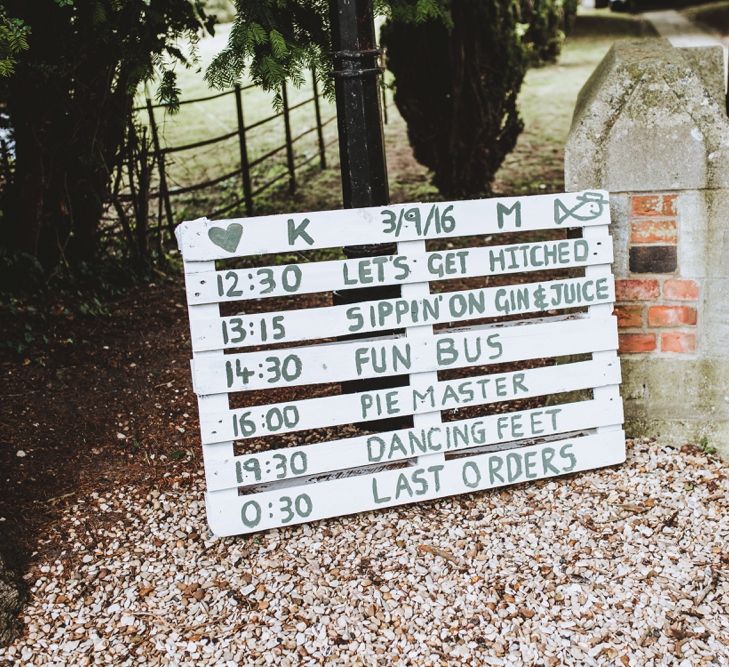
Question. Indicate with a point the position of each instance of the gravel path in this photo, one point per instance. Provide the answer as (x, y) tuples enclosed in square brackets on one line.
[(625, 566)]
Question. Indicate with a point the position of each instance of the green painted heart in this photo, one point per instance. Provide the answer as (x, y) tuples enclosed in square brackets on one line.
[(227, 239)]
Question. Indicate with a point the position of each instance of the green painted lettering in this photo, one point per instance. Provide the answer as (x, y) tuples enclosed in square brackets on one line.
[(345, 276), (603, 289), (401, 263), (547, 456), (354, 315), (435, 471), (299, 231), (582, 250), (470, 474), (565, 453), (493, 341), (445, 351), (495, 464), (427, 398), (419, 482), (513, 466), (502, 211), (375, 448), (376, 497), (365, 273), (402, 486)]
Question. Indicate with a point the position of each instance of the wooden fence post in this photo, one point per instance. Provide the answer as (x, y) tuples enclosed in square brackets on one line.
[(164, 193), (244, 167), (289, 142), (383, 88), (319, 127)]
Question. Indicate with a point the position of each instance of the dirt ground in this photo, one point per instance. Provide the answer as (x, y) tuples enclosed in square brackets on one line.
[(107, 400)]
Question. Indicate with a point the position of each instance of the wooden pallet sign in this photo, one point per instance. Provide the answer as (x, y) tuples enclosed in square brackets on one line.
[(566, 321)]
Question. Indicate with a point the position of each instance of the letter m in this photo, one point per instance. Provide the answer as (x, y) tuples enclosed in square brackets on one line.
[(427, 398), (502, 211)]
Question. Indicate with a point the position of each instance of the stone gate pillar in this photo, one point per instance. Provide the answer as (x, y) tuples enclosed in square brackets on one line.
[(650, 127)]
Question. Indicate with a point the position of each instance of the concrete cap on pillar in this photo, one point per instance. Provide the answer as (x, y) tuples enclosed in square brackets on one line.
[(650, 118)]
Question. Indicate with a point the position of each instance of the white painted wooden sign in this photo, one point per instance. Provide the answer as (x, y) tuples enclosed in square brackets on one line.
[(294, 352)]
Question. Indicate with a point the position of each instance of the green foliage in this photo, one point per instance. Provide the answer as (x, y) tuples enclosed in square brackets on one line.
[(544, 26), (72, 69), (569, 8), (457, 88), (13, 41), (273, 41), (168, 91), (419, 11), (19, 271), (705, 447)]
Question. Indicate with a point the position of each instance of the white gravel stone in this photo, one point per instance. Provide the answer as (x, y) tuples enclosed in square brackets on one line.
[(623, 566)]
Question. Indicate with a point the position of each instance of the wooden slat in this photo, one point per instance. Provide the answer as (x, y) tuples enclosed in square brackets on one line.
[(338, 362), (204, 240), (289, 326), (275, 281), (433, 396), (597, 311), (321, 479), (215, 402), (351, 494), (420, 381), (423, 440)]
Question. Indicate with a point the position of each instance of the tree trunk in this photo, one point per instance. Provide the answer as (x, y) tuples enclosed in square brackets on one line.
[(67, 141), (33, 229)]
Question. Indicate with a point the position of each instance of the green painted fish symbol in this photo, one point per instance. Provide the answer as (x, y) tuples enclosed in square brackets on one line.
[(589, 206)]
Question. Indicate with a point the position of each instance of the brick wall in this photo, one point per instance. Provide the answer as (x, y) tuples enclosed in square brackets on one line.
[(657, 310)]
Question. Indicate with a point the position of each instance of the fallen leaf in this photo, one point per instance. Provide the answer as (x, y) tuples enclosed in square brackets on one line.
[(437, 551)]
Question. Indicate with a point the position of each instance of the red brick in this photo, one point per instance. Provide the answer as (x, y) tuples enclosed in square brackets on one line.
[(671, 316), (654, 231), (636, 290), (669, 205), (678, 341), (642, 205), (629, 316), (637, 342), (681, 290)]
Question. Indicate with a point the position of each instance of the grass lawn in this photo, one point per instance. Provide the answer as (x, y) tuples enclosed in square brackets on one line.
[(546, 102), (204, 120), (548, 98)]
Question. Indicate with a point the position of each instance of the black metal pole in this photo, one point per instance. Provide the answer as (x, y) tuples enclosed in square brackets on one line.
[(356, 80), (361, 147)]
